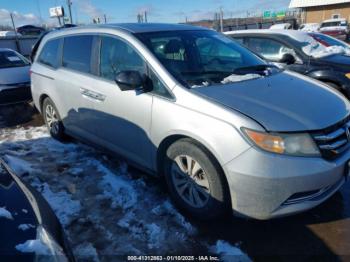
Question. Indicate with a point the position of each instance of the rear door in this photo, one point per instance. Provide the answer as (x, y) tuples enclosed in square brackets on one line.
[(72, 81)]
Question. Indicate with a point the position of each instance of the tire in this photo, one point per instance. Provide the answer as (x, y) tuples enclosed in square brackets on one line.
[(53, 123), (209, 183)]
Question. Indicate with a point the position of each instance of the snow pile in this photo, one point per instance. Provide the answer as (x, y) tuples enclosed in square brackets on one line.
[(33, 246), (116, 188), (205, 83), (86, 252), (25, 227), (316, 50), (18, 166), (238, 78), (5, 213), (61, 202), (227, 252)]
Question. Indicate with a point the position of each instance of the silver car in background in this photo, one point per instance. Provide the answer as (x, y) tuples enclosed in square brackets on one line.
[(226, 130), (14, 77)]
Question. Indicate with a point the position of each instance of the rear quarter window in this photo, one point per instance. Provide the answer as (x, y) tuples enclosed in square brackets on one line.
[(49, 53), (77, 53)]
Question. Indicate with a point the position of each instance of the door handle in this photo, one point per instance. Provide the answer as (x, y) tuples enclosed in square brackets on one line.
[(92, 94)]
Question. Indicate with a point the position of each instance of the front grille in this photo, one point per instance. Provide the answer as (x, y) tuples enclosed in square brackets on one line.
[(333, 141)]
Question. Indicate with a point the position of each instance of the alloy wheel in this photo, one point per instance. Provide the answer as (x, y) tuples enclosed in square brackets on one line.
[(190, 181)]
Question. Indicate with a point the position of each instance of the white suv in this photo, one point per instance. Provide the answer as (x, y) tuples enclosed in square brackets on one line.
[(335, 27)]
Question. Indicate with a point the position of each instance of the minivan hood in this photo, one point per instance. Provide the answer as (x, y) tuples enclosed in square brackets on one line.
[(283, 102)]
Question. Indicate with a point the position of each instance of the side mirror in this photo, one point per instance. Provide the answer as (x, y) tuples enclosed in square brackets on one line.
[(287, 59), (129, 80)]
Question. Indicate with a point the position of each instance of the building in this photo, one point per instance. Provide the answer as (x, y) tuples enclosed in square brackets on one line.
[(316, 11)]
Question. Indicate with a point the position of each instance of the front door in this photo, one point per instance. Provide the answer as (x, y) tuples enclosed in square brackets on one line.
[(122, 118)]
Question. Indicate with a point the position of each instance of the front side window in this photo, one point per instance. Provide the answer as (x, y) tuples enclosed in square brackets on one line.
[(49, 53), (269, 48), (199, 57), (117, 56), (77, 53)]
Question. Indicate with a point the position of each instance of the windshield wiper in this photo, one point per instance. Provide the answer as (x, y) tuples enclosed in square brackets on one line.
[(254, 69), (205, 72)]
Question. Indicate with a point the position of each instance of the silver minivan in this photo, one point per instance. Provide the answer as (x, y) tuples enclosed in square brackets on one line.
[(225, 129)]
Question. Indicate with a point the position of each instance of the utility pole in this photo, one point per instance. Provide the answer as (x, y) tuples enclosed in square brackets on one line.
[(221, 20), (69, 3), (16, 36), (105, 17), (145, 16)]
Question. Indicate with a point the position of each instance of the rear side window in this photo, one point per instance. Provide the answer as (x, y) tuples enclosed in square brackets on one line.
[(77, 53), (49, 54)]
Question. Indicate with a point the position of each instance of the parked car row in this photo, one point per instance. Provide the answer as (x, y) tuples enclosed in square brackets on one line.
[(337, 28)]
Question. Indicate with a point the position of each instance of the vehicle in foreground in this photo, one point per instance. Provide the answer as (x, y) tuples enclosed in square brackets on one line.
[(30, 30), (14, 77), (30, 231), (227, 130), (327, 41), (309, 27), (298, 51), (338, 28)]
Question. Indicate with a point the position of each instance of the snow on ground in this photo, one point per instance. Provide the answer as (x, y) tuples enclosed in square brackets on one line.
[(105, 207), (227, 252)]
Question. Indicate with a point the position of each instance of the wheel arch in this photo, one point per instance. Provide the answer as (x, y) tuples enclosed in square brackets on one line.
[(171, 139)]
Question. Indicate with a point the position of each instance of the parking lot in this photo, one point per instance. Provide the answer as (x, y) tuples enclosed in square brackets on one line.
[(108, 208)]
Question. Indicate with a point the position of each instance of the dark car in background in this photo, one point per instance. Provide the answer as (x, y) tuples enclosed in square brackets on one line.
[(30, 30), (14, 77), (30, 231), (298, 51)]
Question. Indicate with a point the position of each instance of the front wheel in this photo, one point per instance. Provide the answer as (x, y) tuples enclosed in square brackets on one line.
[(53, 120), (195, 180)]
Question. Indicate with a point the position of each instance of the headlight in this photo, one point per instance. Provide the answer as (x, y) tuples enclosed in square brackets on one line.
[(279, 143), (347, 75), (55, 252)]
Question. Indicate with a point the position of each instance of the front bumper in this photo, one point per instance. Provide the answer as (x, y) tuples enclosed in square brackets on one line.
[(265, 185), (15, 95)]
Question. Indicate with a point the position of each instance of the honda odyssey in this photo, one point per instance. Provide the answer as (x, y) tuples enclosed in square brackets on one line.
[(225, 129)]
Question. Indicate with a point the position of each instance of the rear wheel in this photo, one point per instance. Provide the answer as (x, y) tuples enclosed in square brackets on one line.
[(195, 180), (53, 120)]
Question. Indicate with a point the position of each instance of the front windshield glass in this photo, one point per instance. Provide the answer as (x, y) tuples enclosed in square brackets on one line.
[(203, 57), (11, 59)]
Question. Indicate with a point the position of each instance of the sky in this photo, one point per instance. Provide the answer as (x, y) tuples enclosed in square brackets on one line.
[(118, 11)]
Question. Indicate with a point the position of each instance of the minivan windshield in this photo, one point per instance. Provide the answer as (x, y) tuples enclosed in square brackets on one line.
[(203, 57)]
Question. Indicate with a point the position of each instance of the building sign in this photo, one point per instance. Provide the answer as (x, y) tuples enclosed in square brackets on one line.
[(57, 11)]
